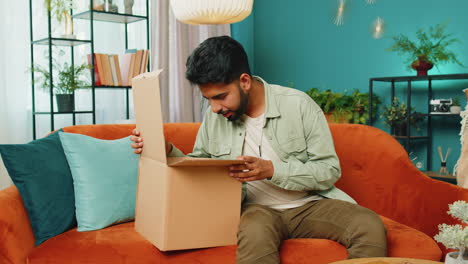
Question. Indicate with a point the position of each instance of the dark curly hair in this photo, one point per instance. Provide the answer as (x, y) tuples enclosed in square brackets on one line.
[(217, 60)]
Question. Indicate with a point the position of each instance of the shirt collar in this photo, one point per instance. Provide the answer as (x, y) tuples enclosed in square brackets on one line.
[(271, 105)]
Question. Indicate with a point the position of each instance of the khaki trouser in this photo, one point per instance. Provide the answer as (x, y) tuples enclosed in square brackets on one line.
[(262, 229)]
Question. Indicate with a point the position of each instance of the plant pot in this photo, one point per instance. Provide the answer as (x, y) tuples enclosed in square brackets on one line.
[(422, 65), (400, 129), (65, 102), (455, 109), (452, 258), (339, 120)]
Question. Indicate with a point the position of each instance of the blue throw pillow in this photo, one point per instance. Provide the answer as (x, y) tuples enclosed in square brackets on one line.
[(105, 176), (40, 171)]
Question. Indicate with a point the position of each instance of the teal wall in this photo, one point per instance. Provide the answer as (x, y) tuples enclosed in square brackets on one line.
[(296, 41)]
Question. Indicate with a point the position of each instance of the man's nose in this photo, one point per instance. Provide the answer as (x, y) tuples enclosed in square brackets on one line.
[(215, 107)]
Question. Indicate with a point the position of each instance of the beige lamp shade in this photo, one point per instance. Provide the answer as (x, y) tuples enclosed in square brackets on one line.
[(211, 11)]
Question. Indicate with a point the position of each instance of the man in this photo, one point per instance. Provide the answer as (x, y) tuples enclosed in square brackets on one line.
[(290, 161)]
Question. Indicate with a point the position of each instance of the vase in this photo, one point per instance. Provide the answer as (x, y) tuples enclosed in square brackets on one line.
[(422, 65), (455, 109), (453, 258), (65, 102), (128, 6)]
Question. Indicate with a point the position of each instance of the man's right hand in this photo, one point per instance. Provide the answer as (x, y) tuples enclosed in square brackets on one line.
[(138, 142)]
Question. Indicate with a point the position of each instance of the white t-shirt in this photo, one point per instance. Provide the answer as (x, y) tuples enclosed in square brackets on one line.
[(264, 192)]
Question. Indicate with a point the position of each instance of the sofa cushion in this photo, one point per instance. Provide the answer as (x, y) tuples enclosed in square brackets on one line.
[(105, 176), (121, 244), (40, 171)]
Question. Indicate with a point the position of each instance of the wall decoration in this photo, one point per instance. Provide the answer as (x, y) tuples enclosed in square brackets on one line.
[(339, 19), (378, 28)]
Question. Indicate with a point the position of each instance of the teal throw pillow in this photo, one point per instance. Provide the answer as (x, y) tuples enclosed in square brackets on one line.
[(105, 176), (40, 171)]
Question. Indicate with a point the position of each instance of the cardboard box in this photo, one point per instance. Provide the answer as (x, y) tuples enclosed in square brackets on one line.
[(182, 203)]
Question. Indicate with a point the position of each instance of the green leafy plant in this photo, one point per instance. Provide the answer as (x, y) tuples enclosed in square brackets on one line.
[(431, 44), (396, 114), (456, 102), (353, 108), (68, 79), (59, 8)]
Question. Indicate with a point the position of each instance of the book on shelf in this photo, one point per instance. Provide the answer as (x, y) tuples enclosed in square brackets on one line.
[(97, 80), (118, 70), (115, 81), (125, 66)]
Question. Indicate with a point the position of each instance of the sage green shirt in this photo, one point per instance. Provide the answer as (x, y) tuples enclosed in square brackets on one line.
[(298, 132)]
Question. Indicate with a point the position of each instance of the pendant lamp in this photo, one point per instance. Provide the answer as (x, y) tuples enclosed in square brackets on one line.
[(211, 11)]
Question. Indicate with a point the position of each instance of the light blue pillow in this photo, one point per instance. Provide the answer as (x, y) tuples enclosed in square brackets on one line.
[(104, 176)]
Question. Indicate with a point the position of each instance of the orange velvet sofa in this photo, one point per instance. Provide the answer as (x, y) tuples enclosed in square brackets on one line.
[(376, 172)]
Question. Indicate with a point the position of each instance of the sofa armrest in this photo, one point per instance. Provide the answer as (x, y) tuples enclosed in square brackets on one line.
[(16, 236), (378, 174)]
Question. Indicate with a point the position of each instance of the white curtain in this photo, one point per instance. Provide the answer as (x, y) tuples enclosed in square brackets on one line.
[(172, 42), (15, 94)]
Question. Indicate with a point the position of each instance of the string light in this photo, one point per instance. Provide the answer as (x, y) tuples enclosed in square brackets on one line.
[(378, 28), (339, 19)]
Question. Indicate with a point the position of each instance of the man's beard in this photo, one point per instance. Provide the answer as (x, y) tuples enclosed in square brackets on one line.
[(244, 102)]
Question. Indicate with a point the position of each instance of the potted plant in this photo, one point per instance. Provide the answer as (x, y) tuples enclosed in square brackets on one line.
[(342, 108), (455, 108), (70, 78), (396, 115), (60, 9), (430, 48), (455, 236)]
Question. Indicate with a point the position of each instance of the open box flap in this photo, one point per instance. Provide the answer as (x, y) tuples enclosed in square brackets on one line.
[(200, 162), (148, 116)]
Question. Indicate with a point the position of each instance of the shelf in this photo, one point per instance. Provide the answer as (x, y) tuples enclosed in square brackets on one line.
[(60, 113), (411, 137), (461, 76), (443, 114), (109, 17), (446, 178), (112, 87), (61, 42)]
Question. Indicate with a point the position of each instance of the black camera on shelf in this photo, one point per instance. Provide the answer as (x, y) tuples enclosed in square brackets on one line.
[(440, 105)]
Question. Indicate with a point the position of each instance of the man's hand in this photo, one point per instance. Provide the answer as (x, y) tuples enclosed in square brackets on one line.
[(138, 142), (254, 169)]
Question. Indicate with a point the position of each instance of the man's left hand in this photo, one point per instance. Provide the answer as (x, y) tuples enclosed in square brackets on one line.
[(254, 169)]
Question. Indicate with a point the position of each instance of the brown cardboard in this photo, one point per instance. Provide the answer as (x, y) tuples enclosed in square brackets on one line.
[(182, 203)]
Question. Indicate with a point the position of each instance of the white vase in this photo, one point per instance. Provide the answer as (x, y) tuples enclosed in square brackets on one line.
[(452, 258), (128, 6), (455, 109)]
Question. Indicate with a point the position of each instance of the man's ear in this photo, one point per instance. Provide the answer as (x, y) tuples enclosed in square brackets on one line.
[(245, 82)]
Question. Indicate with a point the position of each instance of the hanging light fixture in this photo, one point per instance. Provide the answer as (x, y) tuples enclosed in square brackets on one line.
[(211, 11)]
